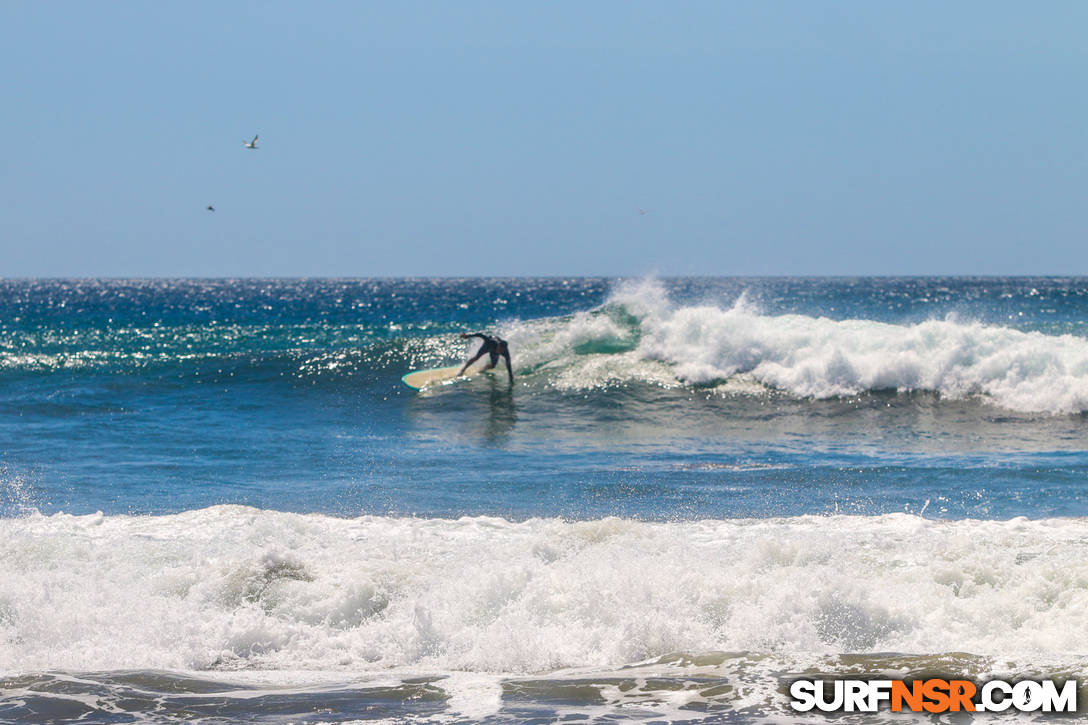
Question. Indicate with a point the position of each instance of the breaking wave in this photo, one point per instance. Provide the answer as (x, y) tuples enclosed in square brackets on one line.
[(233, 588), (640, 334)]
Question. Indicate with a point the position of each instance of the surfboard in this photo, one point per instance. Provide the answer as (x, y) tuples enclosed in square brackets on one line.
[(420, 379)]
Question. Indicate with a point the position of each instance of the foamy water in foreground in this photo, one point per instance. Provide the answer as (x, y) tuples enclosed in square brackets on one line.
[(234, 588), (240, 595)]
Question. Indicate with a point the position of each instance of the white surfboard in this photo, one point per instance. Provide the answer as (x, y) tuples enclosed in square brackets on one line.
[(420, 379)]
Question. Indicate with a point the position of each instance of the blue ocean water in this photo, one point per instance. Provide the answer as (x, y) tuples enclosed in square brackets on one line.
[(694, 488)]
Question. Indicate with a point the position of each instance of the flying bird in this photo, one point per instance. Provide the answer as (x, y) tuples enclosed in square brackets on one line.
[(211, 208), (251, 144)]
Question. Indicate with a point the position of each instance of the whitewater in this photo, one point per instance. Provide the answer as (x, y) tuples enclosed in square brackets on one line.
[(231, 587), (237, 595), (813, 357)]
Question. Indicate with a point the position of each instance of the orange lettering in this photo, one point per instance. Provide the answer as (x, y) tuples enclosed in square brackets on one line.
[(912, 696), (960, 694), (936, 691)]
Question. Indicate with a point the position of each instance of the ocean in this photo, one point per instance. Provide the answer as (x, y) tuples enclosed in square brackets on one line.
[(219, 503)]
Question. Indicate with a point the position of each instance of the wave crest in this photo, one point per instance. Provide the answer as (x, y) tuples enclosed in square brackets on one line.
[(814, 357)]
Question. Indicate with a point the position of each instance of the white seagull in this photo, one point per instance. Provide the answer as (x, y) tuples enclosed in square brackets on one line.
[(251, 144)]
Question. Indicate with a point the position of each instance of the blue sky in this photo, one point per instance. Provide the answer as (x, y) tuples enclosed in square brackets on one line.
[(510, 138)]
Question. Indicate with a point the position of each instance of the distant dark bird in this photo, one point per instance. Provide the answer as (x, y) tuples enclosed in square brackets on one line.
[(251, 144), (211, 208), (642, 212)]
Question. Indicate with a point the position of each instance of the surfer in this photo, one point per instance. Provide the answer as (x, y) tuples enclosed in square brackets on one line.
[(493, 346)]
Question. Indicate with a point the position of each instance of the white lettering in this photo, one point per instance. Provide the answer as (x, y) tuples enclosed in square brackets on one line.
[(803, 693), (1064, 701)]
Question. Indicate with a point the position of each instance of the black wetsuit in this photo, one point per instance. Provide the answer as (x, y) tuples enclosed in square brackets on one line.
[(493, 346)]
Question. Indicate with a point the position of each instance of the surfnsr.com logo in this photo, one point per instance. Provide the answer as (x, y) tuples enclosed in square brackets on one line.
[(933, 695)]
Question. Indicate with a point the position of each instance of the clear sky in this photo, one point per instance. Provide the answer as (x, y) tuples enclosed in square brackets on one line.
[(523, 138)]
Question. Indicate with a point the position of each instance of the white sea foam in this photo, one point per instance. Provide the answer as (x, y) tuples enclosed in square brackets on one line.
[(807, 356), (235, 588)]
